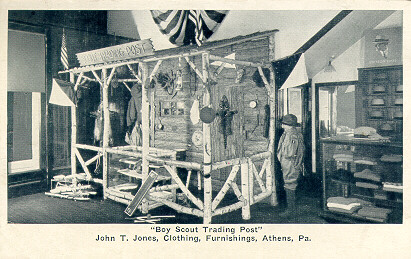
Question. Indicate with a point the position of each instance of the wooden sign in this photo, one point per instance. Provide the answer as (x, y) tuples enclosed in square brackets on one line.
[(114, 53)]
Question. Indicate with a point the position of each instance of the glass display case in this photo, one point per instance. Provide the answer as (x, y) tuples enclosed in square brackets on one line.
[(362, 179)]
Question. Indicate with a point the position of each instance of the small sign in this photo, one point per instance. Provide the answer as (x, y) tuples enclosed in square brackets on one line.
[(383, 47), (114, 53)]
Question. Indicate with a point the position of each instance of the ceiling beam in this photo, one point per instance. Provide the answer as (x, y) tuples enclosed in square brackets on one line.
[(331, 24)]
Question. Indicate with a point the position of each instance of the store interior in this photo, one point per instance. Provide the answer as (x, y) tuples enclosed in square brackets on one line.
[(112, 119)]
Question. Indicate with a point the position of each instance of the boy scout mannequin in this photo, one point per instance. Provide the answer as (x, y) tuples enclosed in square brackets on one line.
[(290, 154)]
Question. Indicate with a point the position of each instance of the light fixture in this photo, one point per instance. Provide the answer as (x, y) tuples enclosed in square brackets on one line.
[(329, 68)]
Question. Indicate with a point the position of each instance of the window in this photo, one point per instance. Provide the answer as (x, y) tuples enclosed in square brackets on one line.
[(336, 110), (24, 119), (26, 80)]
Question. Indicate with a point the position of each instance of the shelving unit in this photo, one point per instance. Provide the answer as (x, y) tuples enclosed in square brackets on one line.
[(379, 99), (343, 160), (126, 177)]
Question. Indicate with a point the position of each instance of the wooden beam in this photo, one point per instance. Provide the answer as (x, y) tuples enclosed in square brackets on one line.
[(237, 192), (196, 53), (183, 188), (89, 79), (89, 147), (230, 208), (156, 67), (160, 188), (188, 178), (182, 164), (128, 80), (113, 71), (199, 181), (94, 158), (177, 207), (270, 174), (78, 81), (145, 110), (250, 164), (237, 62), (128, 88), (106, 129), (263, 168), (260, 70), (257, 176), (152, 92), (331, 24), (207, 151), (196, 70), (225, 187), (83, 164), (261, 196), (245, 190), (97, 77), (134, 73), (73, 109)]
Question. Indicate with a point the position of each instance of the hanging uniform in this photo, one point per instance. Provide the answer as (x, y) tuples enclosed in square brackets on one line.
[(290, 154), (133, 117)]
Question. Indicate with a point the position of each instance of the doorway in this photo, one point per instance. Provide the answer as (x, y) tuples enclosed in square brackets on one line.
[(335, 112)]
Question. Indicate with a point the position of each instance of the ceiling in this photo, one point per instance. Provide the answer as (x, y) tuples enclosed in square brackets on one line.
[(345, 34)]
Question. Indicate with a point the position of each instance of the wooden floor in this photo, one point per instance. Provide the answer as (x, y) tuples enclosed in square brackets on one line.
[(41, 209)]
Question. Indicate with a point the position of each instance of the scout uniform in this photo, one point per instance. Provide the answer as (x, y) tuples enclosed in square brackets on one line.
[(290, 153)]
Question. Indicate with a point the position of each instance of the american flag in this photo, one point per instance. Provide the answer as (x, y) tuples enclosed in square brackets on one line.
[(194, 16), (185, 27), (64, 56)]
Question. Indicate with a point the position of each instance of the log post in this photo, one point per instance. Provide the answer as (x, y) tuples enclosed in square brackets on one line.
[(245, 189), (207, 147), (251, 169), (73, 134), (106, 130), (145, 124), (271, 169)]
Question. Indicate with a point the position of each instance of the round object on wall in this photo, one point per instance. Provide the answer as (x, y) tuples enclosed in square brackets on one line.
[(207, 115), (377, 102), (197, 138), (253, 104), (160, 126)]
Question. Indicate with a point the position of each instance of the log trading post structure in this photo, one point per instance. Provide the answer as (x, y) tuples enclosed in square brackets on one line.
[(245, 151)]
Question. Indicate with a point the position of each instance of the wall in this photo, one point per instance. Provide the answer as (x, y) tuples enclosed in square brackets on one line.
[(85, 30), (345, 65)]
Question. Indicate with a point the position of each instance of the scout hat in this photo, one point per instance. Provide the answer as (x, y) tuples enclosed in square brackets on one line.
[(290, 119)]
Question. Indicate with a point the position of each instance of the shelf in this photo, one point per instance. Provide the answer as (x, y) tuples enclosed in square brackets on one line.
[(348, 218), (379, 197), (137, 175), (385, 203)]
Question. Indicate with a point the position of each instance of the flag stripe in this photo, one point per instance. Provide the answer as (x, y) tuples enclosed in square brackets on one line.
[(186, 27), (64, 55)]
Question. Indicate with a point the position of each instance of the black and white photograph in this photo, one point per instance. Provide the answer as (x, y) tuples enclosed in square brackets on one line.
[(200, 127)]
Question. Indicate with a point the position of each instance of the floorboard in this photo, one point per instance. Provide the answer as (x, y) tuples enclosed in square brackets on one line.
[(41, 209)]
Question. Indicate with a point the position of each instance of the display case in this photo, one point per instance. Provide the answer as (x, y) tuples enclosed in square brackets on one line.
[(362, 179)]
